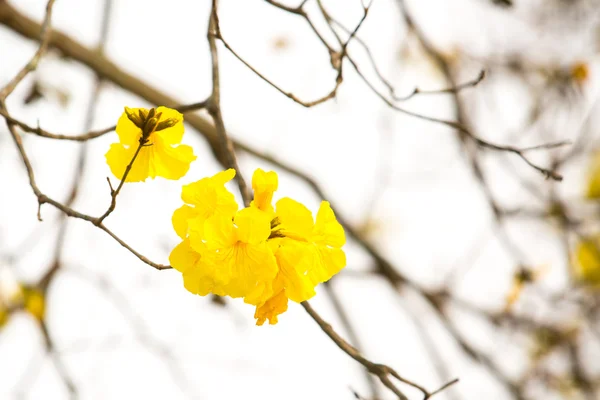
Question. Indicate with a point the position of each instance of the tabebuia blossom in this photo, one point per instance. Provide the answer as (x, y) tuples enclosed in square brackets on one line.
[(266, 255), (149, 145)]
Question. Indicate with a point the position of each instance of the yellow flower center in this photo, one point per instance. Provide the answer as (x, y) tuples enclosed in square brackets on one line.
[(148, 121)]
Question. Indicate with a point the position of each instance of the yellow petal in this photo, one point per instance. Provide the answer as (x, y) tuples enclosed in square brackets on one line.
[(332, 261), (197, 271), (275, 306), (183, 257), (294, 264), (4, 315), (201, 281), (35, 303), (328, 231), (296, 220), (170, 162), (209, 195), (180, 220), (219, 232), (588, 262), (593, 176), (174, 134), (118, 158), (196, 233), (264, 185), (245, 267), (253, 225), (260, 293), (221, 178), (128, 133)]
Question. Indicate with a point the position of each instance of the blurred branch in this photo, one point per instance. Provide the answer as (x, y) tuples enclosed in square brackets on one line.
[(57, 360), (337, 58), (11, 18), (459, 126), (46, 36), (383, 372)]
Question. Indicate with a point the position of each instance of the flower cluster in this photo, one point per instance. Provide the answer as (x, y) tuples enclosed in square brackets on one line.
[(266, 255), (150, 138)]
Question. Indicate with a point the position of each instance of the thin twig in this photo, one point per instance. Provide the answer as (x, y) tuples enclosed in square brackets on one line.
[(89, 135), (383, 372), (214, 104), (115, 192), (34, 61), (354, 338)]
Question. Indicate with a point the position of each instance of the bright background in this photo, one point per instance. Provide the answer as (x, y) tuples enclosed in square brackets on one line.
[(125, 330)]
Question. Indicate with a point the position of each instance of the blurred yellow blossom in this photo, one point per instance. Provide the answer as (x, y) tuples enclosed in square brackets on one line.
[(152, 137), (523, 277), (263, 254), (580, 72), (3, 315), (34, 302), (587, 261), (593, 177)]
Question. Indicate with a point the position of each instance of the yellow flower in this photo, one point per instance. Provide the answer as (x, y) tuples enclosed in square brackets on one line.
[(587, 262), (322, 241), (593, 177), (198, 273), (34, 302), (307, 254), (580, 72), (523, 276), (245, 264), (158, 131), (204, 199), (264, 255), (273, 307), (3, 315), (264, 185), (290, 283)]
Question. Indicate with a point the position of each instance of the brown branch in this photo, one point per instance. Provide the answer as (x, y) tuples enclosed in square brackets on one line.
[(452, 90), (19, 23), (31, 66), (56, 265), (291, 96), (548, 173), (43, 199), (58, 363), (354, 338), (89, 134), (43, 133), (337, 59), (383, 372), (115, 192), (214, 104)]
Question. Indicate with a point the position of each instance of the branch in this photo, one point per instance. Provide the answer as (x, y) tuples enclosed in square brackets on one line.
[(214, 104), (383, 372)]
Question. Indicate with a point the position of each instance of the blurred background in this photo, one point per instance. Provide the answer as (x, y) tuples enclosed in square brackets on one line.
[(472, 238)]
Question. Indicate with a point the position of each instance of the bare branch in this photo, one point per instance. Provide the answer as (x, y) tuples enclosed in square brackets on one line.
[(214, 104)]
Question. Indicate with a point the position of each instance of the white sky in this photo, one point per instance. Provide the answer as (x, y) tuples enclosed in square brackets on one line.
[(428, 220)]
